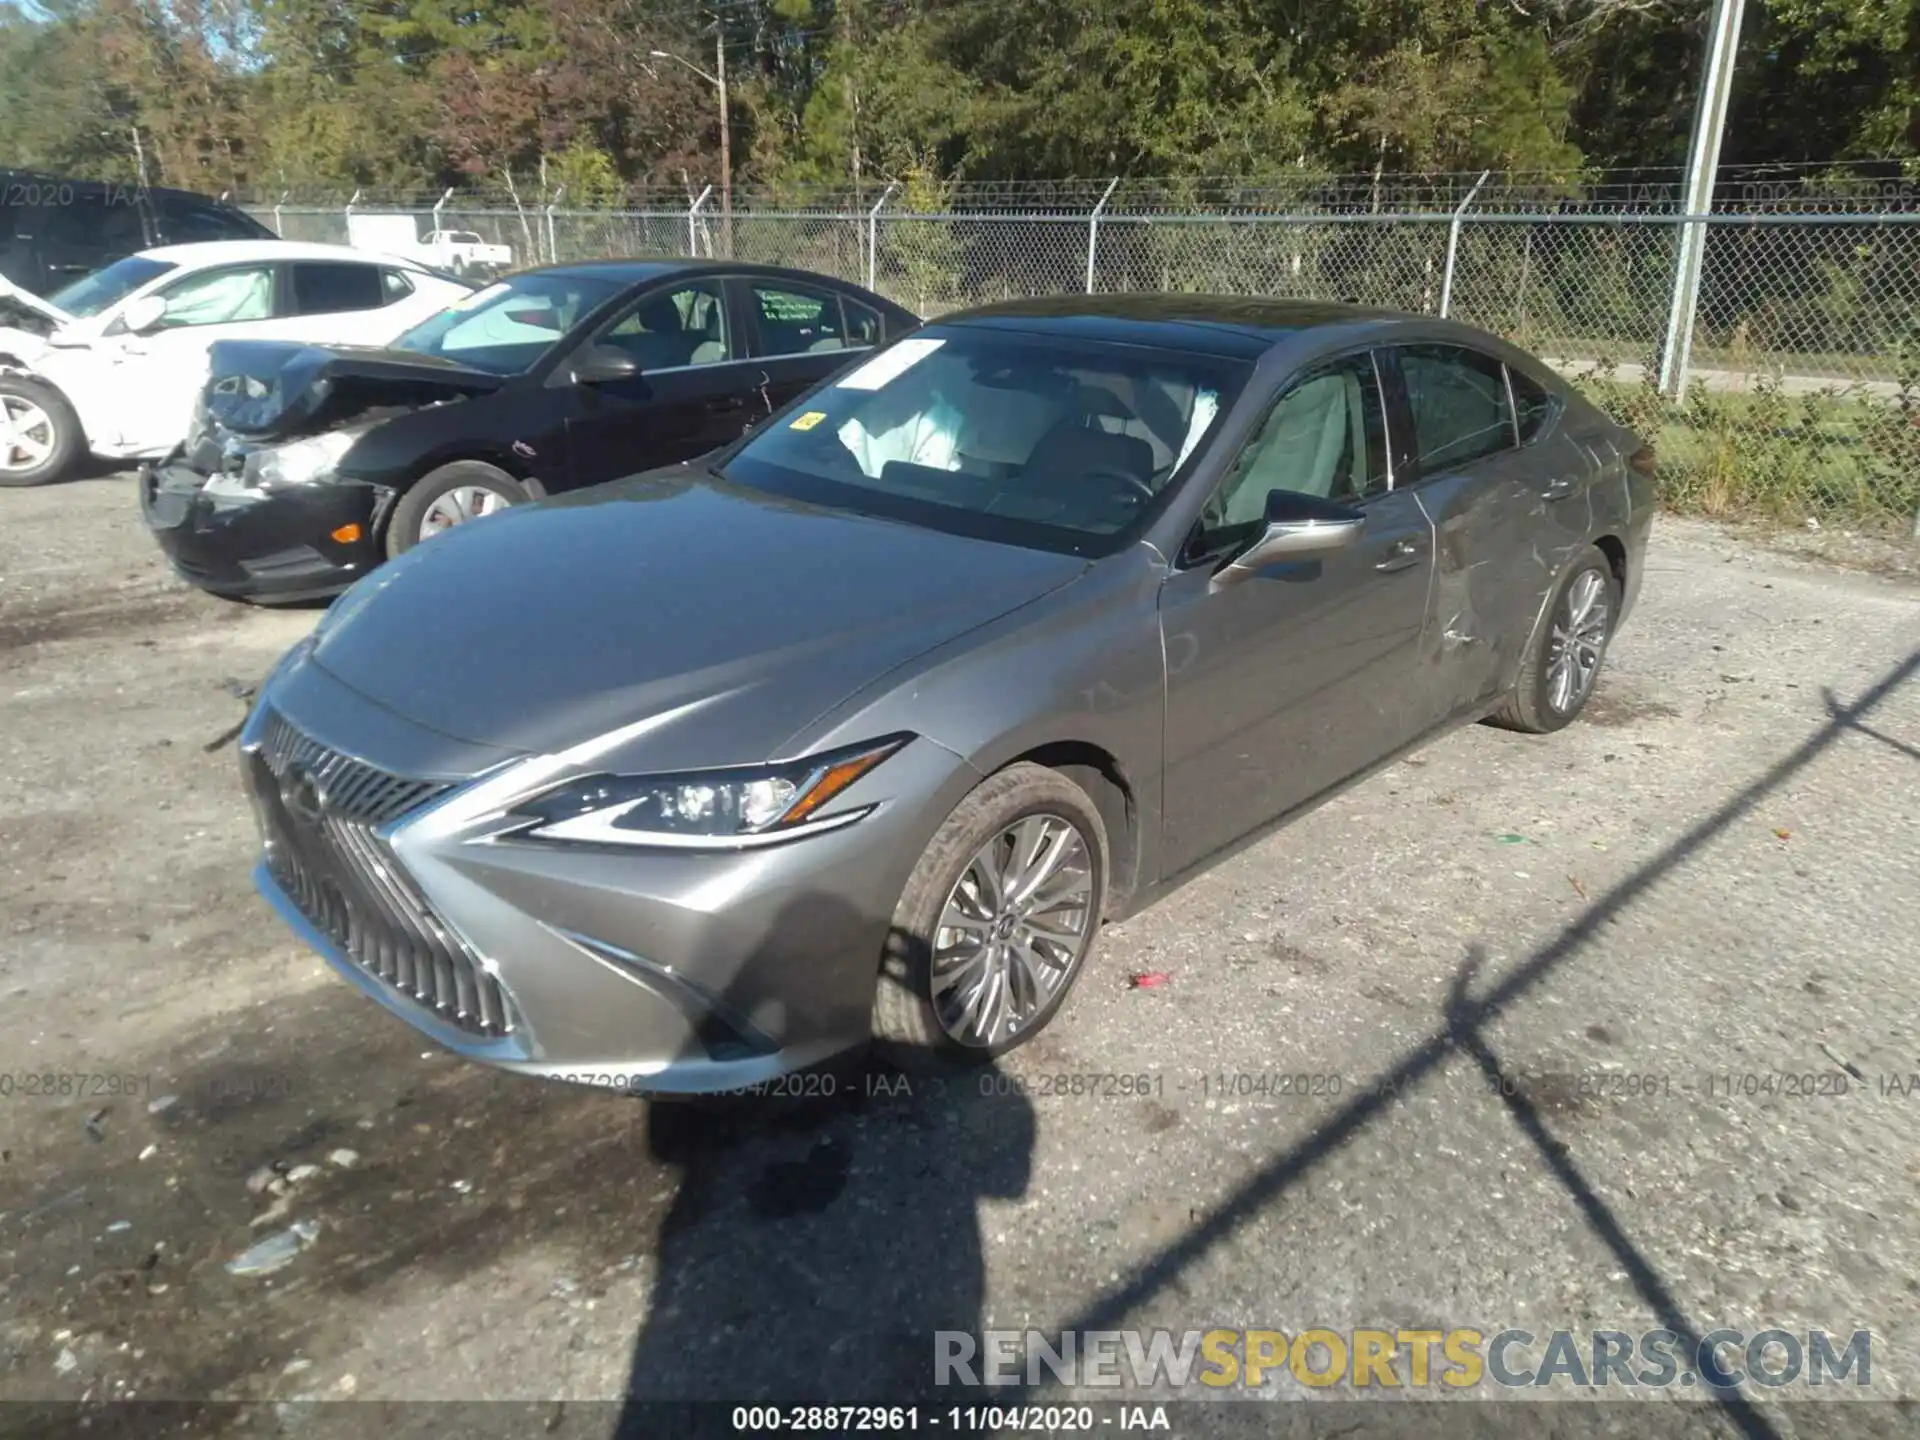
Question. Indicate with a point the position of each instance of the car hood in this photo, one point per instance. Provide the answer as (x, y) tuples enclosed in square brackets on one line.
[(749, 614), (278, 389), (22, 302)]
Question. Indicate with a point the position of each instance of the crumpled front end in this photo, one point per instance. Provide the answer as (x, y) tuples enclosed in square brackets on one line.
[(241, 540), (273, 390)]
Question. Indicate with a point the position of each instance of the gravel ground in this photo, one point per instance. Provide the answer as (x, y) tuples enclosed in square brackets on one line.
[(1709, 883)]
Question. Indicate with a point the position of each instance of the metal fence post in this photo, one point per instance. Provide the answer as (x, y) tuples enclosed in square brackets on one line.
[(1453, 245), (693, 222), (873, 237), (278, 229), (350, 204), (1093, 228), (440, 205), (553, 245), (1703, 163)]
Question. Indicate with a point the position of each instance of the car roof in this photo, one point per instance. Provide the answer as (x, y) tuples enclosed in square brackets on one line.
[(649, 267), (1236, 326), (199, 253)]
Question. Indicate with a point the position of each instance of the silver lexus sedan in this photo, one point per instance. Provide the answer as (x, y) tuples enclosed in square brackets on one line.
[(860, 727)]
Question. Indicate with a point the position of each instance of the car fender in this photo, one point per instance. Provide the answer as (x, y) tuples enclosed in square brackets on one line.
[(1077, 669), (92, 422), (502, 457)]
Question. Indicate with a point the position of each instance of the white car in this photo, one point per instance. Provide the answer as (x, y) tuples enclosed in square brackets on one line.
[(113, 363)]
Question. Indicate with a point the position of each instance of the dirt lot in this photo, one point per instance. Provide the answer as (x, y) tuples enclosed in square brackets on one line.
[(1710, 884)]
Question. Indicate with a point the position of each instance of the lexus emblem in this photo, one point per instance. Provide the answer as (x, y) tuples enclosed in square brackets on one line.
[(300, 792)]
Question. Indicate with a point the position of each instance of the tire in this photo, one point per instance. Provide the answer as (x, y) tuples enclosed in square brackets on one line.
[(1538, 704), (52, 423), (907, 1025), (406, 525)]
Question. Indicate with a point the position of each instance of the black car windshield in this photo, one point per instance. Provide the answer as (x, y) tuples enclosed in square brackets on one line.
[(93, 293), (506, 328), (1028, 439)]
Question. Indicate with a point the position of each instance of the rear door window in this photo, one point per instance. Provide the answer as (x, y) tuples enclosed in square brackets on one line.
[(798, 320), (1458, 397), (1534, 406), (327, 287)]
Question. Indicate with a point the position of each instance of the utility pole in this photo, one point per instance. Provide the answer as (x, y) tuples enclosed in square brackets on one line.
[(726, 130), (717, 78), (853, 95), (1703, 165)]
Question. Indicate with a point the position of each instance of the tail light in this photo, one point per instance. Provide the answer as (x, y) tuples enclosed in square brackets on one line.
[(1643, 461)]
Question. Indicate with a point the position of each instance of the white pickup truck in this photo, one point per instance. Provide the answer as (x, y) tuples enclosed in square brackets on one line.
[(464, 253)]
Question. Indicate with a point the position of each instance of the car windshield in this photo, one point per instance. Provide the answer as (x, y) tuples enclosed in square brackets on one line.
[(93, 293), (997, 434), (506, 328)]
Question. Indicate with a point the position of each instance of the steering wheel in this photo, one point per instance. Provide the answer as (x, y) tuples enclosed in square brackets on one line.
[(1120, 479)]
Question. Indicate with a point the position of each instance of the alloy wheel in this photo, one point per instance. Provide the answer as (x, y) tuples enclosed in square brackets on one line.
[(1013, 928), (26, 433), (1579, 638), (459, 505)]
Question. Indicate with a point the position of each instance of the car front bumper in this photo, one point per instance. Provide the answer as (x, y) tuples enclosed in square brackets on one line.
[(276, 544), (651, 971)]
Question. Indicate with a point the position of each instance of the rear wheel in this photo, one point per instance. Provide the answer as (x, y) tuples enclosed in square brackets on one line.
[(996, 921), (39, 433), (449, 496), (1559, 671)]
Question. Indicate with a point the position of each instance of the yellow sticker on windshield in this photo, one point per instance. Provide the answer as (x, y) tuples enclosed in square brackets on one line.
[(808, 420)]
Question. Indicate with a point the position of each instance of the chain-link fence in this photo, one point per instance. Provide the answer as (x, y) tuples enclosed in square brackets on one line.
[(1784, 383)]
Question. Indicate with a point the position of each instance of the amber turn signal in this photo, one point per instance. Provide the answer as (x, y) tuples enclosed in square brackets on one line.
[(346, 534)]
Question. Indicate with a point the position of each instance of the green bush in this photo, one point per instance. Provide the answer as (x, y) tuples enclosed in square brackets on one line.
[(1842, 455)]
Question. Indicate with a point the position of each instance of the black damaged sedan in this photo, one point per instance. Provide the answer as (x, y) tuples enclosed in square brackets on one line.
[(307, 466)]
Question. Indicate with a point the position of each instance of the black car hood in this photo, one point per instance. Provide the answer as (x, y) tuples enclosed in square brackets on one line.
[(278, 389), (745, 614)]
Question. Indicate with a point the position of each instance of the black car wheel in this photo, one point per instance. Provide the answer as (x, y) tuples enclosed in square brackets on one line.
[(996, 921), (452, 495), (1563, 663), (39, 433)]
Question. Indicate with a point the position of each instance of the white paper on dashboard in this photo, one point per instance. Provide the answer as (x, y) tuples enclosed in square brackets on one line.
[(889, 365)]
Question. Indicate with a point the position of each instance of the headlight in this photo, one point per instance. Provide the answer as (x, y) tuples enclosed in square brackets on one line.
[(299, 463), (718, 807)]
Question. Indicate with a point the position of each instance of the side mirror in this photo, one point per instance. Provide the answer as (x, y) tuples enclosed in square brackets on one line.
[(143, 314), (603, 363), (1299, 527)]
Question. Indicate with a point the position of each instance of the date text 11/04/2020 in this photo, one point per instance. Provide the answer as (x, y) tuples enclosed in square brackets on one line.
[(1218, 1084), (1286, 1085)]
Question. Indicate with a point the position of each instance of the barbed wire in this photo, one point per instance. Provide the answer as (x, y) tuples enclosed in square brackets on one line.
[(1805, 189)]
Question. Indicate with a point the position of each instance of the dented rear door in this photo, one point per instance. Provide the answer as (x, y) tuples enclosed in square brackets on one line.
[(1495, 523)]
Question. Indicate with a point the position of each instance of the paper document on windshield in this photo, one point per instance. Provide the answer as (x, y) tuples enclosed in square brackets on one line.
[(889, 365)]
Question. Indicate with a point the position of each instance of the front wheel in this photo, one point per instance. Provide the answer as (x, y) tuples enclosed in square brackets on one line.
[(451, 495), (39, 433), (996, 921), (1558, 673)]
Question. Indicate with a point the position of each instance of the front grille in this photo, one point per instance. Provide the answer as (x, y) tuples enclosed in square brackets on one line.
[(327, 854)]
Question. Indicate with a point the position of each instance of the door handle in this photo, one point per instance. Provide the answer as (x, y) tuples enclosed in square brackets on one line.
[(1401, 555), (1560, 487)]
